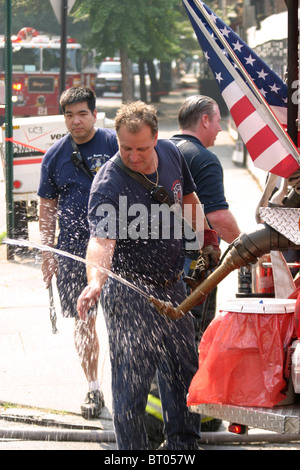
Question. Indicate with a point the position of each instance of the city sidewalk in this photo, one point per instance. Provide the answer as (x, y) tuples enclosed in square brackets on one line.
[(39, 371)]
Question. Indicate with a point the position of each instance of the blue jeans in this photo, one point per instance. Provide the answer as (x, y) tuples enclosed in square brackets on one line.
[(141, 343)]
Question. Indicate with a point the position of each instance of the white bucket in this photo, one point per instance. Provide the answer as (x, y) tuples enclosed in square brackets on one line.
[(264, 306)]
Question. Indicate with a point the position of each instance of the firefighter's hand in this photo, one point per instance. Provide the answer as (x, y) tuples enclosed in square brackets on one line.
[(87, 299), (210, 251), (49, 267), (208, 259), (198, 274)]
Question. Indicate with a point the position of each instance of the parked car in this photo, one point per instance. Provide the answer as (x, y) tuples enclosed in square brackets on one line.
[(109, 77)]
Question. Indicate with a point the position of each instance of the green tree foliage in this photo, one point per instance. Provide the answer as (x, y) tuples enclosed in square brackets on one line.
[(141, 29), (137, 30)]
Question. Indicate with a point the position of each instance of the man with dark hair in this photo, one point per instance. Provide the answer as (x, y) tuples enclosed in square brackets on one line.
[(142, 342), (67, 171), (199, 123), (78, 95)]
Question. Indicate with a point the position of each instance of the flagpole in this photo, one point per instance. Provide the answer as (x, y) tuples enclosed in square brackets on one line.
[(246, 76)]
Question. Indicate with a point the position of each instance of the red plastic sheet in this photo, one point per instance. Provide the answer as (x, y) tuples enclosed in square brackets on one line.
[(241, 360)]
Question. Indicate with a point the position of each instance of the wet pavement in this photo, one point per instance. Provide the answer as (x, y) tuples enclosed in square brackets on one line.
[(42, 384)]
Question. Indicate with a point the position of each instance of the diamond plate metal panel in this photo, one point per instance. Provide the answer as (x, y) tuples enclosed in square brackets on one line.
[(283, 420), (284, 220)]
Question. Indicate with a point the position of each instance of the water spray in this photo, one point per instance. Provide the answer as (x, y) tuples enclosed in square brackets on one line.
[(246, 249), (28, 244)]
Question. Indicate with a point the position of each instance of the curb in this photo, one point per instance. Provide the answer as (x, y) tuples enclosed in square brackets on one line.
[(14, 414)]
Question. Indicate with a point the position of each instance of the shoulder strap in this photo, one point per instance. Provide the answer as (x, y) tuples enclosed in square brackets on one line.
[(159, 193), (78, 159), (137, 176)]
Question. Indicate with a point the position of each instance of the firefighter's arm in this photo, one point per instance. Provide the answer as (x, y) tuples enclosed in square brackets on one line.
[(47, 221), (225, 224), (210, 251), (192, 212), (99, 258)]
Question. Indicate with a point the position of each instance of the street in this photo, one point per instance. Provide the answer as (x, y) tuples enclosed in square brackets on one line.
[(41, 371)]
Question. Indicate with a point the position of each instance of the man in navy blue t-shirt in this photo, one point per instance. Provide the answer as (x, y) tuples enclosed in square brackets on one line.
[(130, 236), (64, 192)]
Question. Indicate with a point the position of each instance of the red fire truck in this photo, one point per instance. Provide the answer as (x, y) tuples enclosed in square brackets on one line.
[(36, 71)]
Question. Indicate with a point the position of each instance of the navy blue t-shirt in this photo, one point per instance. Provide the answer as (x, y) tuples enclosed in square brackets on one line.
[(61, 179), (206, 170), (147, 241)]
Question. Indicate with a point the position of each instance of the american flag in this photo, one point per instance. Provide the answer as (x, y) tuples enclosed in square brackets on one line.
[(254, 94)]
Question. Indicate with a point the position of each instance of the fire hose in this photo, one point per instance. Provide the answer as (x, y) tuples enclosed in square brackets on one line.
[(246, 249), (209, 438), (57, 435)]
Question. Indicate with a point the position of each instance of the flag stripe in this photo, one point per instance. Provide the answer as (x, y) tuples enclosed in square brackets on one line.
[(232, 94), (250, 126), (271, 156), (261, 141), (286, 167), (280, 113), (241, 110)]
